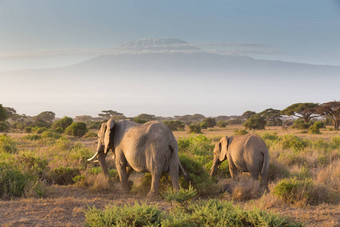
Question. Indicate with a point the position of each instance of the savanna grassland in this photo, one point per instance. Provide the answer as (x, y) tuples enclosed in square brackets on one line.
[(46, 181)]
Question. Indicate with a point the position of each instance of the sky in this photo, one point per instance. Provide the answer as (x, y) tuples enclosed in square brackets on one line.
[(55, 33)]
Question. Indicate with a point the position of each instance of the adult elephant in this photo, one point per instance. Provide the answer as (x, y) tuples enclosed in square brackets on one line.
[(247, 153), (149, 147)]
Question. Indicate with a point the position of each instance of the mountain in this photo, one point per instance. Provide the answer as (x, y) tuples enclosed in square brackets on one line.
[(170, 75)]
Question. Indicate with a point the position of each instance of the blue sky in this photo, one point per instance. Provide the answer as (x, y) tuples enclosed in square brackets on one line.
[(52, 33)]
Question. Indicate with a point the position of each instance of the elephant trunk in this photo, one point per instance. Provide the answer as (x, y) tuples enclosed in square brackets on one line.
[(213, 169)]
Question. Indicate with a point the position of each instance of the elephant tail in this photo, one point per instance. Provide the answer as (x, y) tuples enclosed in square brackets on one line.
[(174, 151)]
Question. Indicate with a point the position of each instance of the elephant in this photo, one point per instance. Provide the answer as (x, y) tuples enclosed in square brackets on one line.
[(246, 153), (149, 147)]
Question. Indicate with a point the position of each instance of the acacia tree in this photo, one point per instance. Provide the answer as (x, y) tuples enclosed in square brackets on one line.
[(108, 114), (255, 122), (332, 110), (273, 116), (305, 111), (3, 113), (248, 114)]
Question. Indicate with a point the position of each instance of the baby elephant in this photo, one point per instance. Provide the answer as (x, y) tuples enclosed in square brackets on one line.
[(248, 153)]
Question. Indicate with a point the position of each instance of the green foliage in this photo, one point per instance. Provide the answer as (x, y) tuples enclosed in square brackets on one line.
[(3, 113), (4, 126), (7, 144), (59, 130), (255, 122), (30, 163), (199, 178), (127, 215), (272, 117), (195, 129), (222, 124), (303, 191), (39, 130), (63, 175), (77, 129), (108, 114), (143, 118), (196, 145), (91, 135), (44, 119), (240, 132), (335, 142), (175, 125), (301, 124), (315, 128), (32, 137), (292, 142), (15, 183), (210, 122), (204, 125), (248, 114), (50, 135), (94, 124), (62, 123), (202, 213), (181, 195), (305, 111), (28, 129)]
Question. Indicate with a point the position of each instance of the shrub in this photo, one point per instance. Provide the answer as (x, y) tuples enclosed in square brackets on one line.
[(77, 129), (127, 215), (4, 126), (292, 142), (197, 145), (94, 125), (255, 122), (13, 182), (32, 137), (59, 130), (50, 134), (62, 123), (210, 122), (7, 144), (28, 129), (39, 130), (315, 128), (222, 213), (195, 129), (63, 175), (240, 132), (204, 125), (181, 195), (175, 125), (277, 170), (301, 124), (222, 124), (32, 164), (294, 191), (91, 135)]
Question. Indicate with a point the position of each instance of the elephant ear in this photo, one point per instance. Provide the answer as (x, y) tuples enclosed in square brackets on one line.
[(224, 144), (109, 126)]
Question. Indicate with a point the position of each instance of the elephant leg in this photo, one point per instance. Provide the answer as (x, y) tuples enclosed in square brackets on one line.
[(173, 172), (102, 162), (232, 168), (156, 176), (128, 172), (254, 175), (121, 169)]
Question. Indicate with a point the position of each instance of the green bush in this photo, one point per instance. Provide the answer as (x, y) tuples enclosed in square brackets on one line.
[(91, 135), (292, 142), (63, 175), (201, 213), (50, 135), (222, 124), (13, 182), (32, 137), (335, 142), (255, 122), (62, 123), (195, 129), (315, 128), (181, 195), (196, 145), (204, 125), (240, 132), (4, 126), (303, 192), (7, 144), (59, 130), (127, 215), (175, 125), (39, 130), (210, 122), (94, 124), (77, 129), (199, 178), (301, 124), (28, 129)]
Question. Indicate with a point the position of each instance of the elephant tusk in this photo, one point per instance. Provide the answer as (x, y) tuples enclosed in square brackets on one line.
[(90, 159)]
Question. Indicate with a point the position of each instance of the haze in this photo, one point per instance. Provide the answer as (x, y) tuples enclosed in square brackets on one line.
[(80, 57)]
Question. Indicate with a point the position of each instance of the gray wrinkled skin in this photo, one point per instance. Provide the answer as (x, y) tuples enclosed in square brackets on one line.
[(248, 153), (149, 147)]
